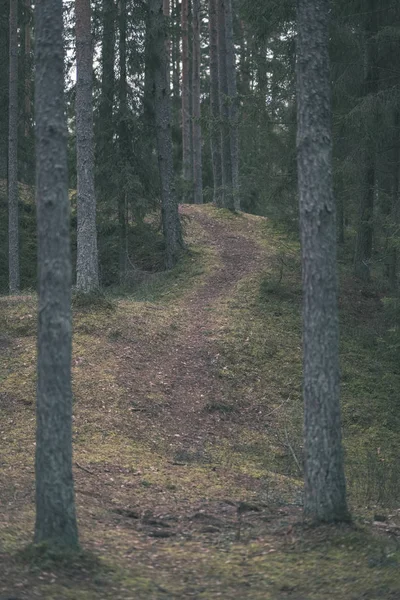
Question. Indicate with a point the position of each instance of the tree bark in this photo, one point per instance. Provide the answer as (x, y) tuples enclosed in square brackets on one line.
[(215, 129), (87, 257), (325, 489), (170, 215), (364, 242), (186, 114), (4, 82), (197, 153), (55, 504), (227, 180), (104, 129), (13, 227), (233, 102), (123, 143)]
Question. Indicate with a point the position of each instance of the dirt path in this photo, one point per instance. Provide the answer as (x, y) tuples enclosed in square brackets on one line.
[(183, 374)]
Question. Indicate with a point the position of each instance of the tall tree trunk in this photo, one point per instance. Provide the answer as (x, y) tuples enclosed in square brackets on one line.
[(105, 129), (26, 71), (227, 180), (233, 102), (4, 77), (364, 242), (197, 156), (87, 279), (13, 232), (325, 489), (167, 12), (186, 114), (393, 258), (55, 503), (123, 143), (215, 130), (176, 75), (170, 215)]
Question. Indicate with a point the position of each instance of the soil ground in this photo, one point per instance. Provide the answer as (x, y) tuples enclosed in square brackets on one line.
[(181, 455)]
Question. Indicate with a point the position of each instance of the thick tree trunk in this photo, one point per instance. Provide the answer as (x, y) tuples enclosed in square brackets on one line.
[(123, 143), (87, 279), (105, 129), (170, 215), (4, 77), (227, 180), (364, 243), (13, 230), (197, 154), (233, 102), (325, 489), (55, 505), (186, 91), (215, 129)]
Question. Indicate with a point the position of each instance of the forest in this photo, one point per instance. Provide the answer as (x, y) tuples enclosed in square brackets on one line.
[(199, 299)]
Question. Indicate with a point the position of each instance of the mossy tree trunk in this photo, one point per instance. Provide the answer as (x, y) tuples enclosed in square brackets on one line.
[(55, 502), (325, 489)]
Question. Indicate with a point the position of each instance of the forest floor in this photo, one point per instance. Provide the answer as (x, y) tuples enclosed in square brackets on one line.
[(187, 436)]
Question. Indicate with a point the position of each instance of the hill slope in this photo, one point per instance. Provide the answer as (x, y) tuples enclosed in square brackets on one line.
[(188, 436)]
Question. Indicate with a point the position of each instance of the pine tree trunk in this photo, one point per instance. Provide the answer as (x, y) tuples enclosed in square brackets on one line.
[(13, 230), (233, 102), (123, 142), (215, 130), (197, 154), (104, 126), (176, 75), (87, 279), (4, 82), (393, 258), (227, 179), (364, 243), (170, 215), (186, 114), (55, 504), (325, 489)]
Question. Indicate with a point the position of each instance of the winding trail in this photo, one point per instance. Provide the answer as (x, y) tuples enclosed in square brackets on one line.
[(183, 373)]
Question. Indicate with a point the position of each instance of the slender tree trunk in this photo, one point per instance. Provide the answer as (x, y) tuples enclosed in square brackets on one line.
[(25, 166), (233, 102), (170, 215), (167, 12), (176, 75), (197, 155), (186, 114), (105, 129), (325, 489), (227, 180), (13, 232), (215, 129), (87, 279), (4, 82), (395, 209), (55, 503), (364, 243), (123, 142)]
